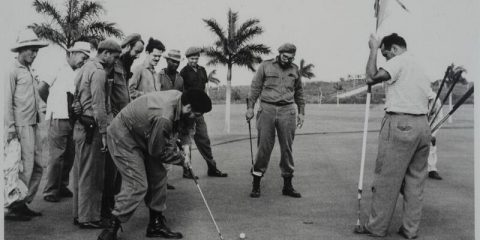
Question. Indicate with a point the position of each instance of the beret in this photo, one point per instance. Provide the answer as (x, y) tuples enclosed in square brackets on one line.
[(198, 99), (109, 44), (134, 37), (192, 51), (287, 47)]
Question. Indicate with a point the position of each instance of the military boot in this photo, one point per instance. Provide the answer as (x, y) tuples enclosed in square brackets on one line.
[(288, 189), (256, 187), (157, 227), (110, 232)]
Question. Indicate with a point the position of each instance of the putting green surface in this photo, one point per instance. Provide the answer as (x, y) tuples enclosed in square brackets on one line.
[(327, 158)]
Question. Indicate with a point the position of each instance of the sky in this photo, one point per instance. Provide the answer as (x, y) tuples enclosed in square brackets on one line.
[(331, 34)]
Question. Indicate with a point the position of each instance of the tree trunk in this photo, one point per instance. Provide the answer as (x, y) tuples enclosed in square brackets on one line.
[(228, 99)]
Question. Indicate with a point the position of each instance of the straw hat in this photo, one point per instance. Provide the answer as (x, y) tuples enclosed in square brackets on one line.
[(83, 47), (174, 55), (27, 38)]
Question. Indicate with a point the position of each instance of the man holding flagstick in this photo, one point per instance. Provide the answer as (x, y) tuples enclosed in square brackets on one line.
[(404, 137)]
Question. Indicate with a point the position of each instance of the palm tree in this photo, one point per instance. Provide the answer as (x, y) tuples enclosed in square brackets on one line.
[(306, 70), (233, 47), (212, 79), (80, 23)]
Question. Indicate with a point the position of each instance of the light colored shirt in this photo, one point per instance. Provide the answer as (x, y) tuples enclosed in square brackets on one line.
[(60, 84), (144, 80), (21, 97), (274, 84), (408, 89)]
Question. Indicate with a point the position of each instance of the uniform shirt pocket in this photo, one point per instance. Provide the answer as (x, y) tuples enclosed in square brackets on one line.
[(271, 79)]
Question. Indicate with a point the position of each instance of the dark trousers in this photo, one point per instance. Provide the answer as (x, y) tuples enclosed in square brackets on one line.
[(112, 184), (61, 152), (203, 142)]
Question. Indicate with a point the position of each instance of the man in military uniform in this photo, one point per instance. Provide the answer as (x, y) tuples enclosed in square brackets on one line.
[(141, 139), (195, 77), (90, 135), (132, 47), (277, 83)]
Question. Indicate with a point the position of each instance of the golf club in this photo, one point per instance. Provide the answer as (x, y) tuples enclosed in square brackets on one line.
[(200, 190), (455, 107), (447, 73), (250, 135), (455, 79), (358, 226)]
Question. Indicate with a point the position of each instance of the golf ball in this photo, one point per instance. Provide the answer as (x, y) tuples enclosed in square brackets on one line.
[(242, 235)]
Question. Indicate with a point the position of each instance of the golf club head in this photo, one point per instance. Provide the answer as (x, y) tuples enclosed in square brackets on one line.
[(358, 227)]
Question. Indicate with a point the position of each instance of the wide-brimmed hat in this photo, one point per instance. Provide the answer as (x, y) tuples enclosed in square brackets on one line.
[(83, 47), (27, 38), (174, 55)]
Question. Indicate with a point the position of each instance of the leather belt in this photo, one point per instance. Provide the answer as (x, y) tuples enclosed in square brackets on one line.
[(277, 103), (408, 114)]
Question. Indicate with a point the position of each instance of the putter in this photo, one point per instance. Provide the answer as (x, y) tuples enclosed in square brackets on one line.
[(455, 107), (201, 193), (250, 135), (359, 226)]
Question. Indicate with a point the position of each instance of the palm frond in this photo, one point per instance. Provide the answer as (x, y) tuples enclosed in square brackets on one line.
[(214, 27), (45, 31), (247, 59), (215, 57), (101, 28), (212, 78), (255, 49), (247, 32), (89, 11), (232, 23), (306, 70), (46, 8)]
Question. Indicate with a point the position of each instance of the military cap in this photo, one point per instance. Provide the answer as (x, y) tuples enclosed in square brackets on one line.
[(110, 45), (193, 51), (287, 47), (132, 38), (198, 100)]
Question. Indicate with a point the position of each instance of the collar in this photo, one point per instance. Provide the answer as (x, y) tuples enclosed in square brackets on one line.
[(19, 65)]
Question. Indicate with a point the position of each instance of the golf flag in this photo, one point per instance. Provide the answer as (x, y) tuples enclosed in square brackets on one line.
[(392, 16)]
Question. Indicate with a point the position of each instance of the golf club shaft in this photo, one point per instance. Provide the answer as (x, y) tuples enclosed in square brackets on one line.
[(455, 107), (205, 201), (449, 68), (455, 81), (250, 135), (364, 142)]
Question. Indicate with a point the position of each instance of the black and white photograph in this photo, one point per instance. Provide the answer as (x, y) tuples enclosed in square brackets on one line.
[(240, 120)]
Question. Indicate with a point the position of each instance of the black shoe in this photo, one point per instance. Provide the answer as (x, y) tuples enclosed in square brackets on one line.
[(434, 175), (288, 189), (110, 232), (402, 233), (216, 173), (360, 229), (66, 193), (157, 228), (91, 225), (27, 211), (51, 198), (256, 187), (291, 192), (188, 175), (75, 221), (17, 216), (170, 187)]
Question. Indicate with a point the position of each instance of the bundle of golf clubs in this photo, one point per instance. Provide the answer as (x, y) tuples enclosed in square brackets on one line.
[(453, 75)]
